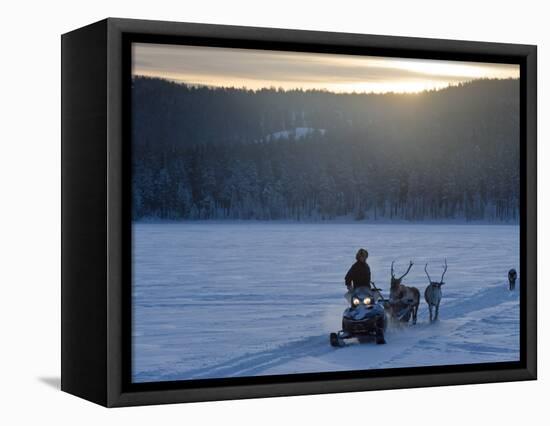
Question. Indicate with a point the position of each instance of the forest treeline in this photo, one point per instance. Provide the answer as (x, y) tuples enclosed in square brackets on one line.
[(227, 153)]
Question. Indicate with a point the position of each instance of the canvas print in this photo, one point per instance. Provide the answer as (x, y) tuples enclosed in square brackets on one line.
[(301, 212)]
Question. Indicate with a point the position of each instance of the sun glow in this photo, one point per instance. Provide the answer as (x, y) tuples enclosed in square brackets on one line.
[(390, 86), (258, 69)]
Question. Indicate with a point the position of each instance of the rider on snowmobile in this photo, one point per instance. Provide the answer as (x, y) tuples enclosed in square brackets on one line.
[(359, 273)]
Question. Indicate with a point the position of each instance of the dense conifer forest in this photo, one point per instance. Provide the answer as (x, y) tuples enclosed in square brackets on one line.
[(229, 153)]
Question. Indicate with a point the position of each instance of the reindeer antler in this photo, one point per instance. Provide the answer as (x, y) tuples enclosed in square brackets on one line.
[(444, 270), (426, 270), (392, 274), (408, 269)]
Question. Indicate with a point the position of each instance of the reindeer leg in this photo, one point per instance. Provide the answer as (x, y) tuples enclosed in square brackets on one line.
[(415, 310), (430, 308), (436, 312)]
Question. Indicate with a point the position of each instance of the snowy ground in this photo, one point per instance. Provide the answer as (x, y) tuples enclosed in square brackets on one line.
[(251, 298)]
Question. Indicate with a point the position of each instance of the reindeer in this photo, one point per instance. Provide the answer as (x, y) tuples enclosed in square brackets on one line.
[(512, 277), (432, 294), (402, 295)]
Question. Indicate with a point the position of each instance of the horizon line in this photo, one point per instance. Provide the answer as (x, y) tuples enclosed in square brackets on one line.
[(449, 85)]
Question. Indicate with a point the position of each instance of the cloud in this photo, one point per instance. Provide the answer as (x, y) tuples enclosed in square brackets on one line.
[(263, 68)]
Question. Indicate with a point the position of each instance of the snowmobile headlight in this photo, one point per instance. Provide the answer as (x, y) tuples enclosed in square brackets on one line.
[(367, 301), (356, 301)]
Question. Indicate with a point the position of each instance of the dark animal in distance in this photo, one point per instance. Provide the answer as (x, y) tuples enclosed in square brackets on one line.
[(512, 277), (433, 294), (402, 295)]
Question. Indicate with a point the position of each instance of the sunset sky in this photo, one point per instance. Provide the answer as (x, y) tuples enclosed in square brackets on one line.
[(256, 69)]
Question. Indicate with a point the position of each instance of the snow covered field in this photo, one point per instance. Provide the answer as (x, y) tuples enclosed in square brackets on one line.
[(255, 298)]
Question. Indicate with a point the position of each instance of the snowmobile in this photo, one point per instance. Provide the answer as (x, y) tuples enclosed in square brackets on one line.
[(365, 319)]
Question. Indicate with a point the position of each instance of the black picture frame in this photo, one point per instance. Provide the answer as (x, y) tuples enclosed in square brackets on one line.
[(96, 226)]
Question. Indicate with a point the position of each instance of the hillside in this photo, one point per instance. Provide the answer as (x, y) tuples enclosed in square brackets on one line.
[(207, 153)]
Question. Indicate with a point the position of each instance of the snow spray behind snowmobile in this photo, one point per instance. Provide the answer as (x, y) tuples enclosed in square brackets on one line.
[(364, 319)]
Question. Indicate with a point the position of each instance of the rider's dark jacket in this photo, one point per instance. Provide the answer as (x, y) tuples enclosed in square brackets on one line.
[(359, 274)]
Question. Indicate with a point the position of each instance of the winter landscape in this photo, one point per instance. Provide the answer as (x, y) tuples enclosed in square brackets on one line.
[(256, 177), (242, 299)]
